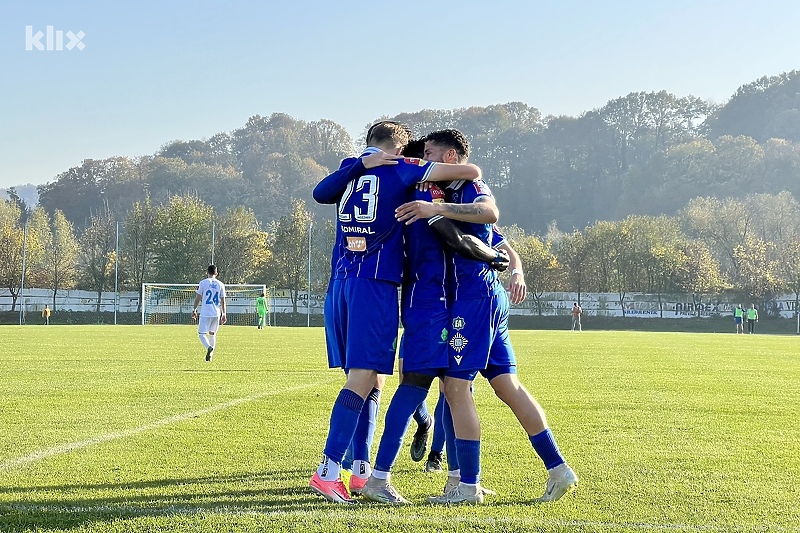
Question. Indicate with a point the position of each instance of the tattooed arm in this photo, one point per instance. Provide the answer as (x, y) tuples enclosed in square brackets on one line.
[(482, 211)]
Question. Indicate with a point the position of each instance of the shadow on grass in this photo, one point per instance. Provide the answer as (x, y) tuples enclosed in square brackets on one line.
[(279, 371), (74, 505)]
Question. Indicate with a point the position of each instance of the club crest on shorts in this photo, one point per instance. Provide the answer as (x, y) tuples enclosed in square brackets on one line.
[(458, 342), (459, 323)]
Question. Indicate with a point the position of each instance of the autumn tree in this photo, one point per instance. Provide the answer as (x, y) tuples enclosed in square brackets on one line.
[(241, 247), (182, 248), (541, 266), (12, 236), (699, 273), (139, 242), (573, 256), (98, 253), (288, 241), (61, 256), (757, 268)]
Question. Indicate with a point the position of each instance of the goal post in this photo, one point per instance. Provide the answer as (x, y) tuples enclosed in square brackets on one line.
[(172, 303)]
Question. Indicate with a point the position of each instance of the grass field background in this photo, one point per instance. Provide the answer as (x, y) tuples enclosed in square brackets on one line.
[(127, 428)]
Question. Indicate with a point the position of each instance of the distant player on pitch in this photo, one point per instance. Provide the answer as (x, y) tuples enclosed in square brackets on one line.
[(211, 294), (576, 316), (261, 310)]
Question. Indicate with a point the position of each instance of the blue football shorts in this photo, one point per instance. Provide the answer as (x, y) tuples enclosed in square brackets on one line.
[(479, 340), (334, 349), (365, 315), (424, 348)]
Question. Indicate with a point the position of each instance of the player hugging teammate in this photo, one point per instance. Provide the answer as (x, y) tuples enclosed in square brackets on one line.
[(454, 313)]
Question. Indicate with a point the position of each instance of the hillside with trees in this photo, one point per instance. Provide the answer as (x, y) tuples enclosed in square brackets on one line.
[(644, 153), (652, 192)]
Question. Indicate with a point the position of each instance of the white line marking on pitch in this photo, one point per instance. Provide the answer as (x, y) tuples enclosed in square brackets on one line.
[(72, 446)]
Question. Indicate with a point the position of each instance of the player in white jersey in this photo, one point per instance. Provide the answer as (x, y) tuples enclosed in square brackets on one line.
[(211, 295)]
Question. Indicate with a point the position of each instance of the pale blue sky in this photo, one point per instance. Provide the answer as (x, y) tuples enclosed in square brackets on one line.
[(156, 71)]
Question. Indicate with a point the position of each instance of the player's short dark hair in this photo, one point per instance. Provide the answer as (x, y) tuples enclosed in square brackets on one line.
[(451, 138), (388, 132), (415, 149), (212, 269)]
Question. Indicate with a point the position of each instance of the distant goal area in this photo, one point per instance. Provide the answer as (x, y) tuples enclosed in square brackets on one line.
[(165, 303)]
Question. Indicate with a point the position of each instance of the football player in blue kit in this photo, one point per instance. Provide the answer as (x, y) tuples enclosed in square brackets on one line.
[(425, 312), (478, 337), (357, 456), (368, 265)]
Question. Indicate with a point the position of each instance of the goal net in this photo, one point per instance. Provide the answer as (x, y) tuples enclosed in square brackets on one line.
[(172, 303)]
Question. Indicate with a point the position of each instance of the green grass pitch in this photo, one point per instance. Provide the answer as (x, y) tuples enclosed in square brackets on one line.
[(111, 429)]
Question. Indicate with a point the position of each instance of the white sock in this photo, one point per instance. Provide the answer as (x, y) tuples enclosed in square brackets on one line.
[(213, 341), (328, 470), (454, 473), (468, 488), (362, 469), (380, 474), (204, 340)]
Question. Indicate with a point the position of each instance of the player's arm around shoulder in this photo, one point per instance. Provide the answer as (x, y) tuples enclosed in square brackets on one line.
[(482, 211), (452, 172), (330, 189)]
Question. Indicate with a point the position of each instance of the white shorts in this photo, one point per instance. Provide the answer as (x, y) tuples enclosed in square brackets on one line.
[(207, 324)]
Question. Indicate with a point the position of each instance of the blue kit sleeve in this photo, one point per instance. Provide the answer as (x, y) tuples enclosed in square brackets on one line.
[(331, 187)]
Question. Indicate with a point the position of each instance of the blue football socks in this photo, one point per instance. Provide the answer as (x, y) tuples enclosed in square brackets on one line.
[(344, 417), (365, 429), (545, 445), (398, 417)]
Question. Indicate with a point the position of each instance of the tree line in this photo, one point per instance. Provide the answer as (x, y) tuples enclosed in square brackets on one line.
[(650, 192), (749, 247), (172, 242), (646, 153), (746, 247)]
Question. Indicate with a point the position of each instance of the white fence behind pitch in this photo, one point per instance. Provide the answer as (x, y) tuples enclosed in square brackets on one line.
[(637, 305)]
